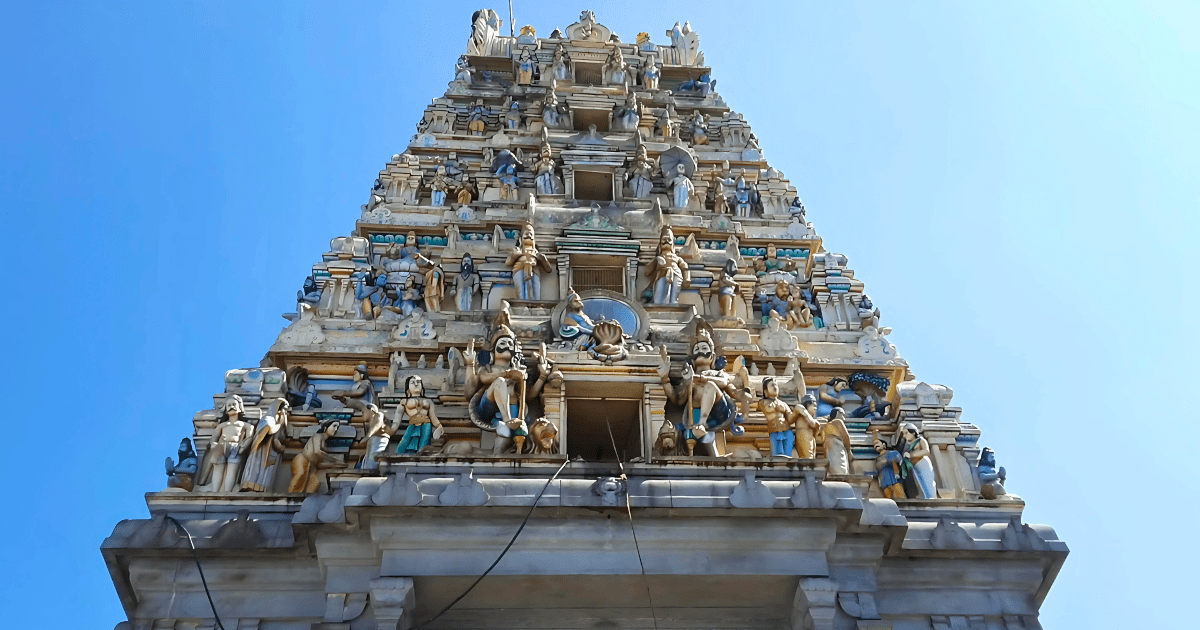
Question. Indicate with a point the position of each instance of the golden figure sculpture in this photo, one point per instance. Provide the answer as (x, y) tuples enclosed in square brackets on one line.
[(312, 458)]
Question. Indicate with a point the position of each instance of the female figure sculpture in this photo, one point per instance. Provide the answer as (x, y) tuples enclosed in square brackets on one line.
[(435, 289), (266, 448), (423, 423), (639, 174), (313, 457), (836, 438), (916, 455), (829, 395)]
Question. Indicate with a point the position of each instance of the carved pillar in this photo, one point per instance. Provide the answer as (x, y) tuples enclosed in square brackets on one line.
[(631, 273), (564, 275), (569, 181), (554, 399), (815, 605), (619, 185), (654, 413), (393, 601)]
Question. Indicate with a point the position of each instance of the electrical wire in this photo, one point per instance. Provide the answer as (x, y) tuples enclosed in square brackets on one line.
[(501, 556), (196, 557), (629, 513)]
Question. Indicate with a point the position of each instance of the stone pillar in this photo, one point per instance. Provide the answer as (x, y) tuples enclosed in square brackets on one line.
[(654, 412), (393, 601), (631, 274), (555, 401), (564, 275), (815, 605)]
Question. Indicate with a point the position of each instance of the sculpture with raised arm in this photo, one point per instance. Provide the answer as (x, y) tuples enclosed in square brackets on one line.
[(525, 261), (708, 396)]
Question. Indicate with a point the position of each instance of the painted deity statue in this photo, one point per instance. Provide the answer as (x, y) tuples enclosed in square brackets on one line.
[(525, 66), (616, 71), (499, 390), (868, 313), (727, 288), (626, 117), (829, 395), (525, 261), (554, 114), (400, 261), (771, 265), (545, 177), (312, 458), (651, 73), (668, 271), (309, 296), (509, 184), (423, 423), (917, 454), (464, 192), (266, 448), (371, 298), (361, 395), (438, 187), (640, 173), (799, 315), (777, 303), (905, 470), (836, 438), (512, 119), (780, 419), (806, 427), (682, 188), (183, 474), (476, 121), (435, 288), (699, 129), (222, 464), (560, 65), (708, 395), (466, 283), (743, 196), (579, 328)]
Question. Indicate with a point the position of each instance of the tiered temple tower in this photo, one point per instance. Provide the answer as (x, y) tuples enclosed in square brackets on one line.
[(582, 286)]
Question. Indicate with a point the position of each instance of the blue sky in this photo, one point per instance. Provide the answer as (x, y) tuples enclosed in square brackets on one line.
[(1015, 182)]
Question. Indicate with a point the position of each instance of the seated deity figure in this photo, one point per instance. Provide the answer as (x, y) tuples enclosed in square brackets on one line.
[(266, 448), (309, 296), (699, 129), (466, 283), (780, 419), (727, 288), (707, 394), (465, 190), (667, 270), (438, 187), (401, 261), (499, 390), (702, 86), (222, 464), (371, 298), (777, 303), (579, 328), (616, 71), (772, 268), (836, 438), (560, 65), (409, 297), (799, 315), (183, 474), (639, 174), (462, 71), (476, 121), (554, 114), (682, 188), (312, 458), (300, 392), (868, 313), (423, 423), (525, 261), (796, 210), (665, 126), (626, 117), (547, 181), (526, 65), (512, 120), (872, 390)]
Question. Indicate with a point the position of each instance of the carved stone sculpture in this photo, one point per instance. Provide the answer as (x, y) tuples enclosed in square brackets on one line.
[(686, 43), (498, 391), (312, 458), (868, 313), (836, 438), (545, 177), (227, 448), (400, 261), (543, 435), (485, 28), (435, 288), (682, 188), (525, 261), (806, 427), (183, 474), (626, 117), (701, 86), (309, 296), (668, 271), (640, 172), (727, 288), (780, 419), (707, 395), (360, 395), (438, 187), (615, 70), (560, 65), (699, 130), (466, 283), (423, 423), (526, 65), (604, 341), (651, 73)]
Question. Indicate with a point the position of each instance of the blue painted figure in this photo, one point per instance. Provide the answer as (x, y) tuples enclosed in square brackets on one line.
[(499, 390), (743, 195), (891, 471), (702, 86), (708, 395), (777, 303), (916, 452), (371, 298), (309, 296), (872, 389), (991, 478), (830, 395)]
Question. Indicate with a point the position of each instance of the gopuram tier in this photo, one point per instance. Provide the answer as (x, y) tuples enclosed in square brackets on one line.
[(582, 307)]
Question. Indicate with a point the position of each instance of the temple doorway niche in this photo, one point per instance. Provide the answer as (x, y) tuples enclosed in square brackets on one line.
[(593, 185), (584, 118), (587, 423)]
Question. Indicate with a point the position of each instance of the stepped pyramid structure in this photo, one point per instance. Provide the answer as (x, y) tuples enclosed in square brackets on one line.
[(581, 306)]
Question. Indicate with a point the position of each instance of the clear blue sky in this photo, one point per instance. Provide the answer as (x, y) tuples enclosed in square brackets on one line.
[(1016, 183)]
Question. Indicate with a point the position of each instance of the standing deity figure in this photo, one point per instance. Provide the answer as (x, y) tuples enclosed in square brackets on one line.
[(400, 261), (378, 434), (626, 117), (183, 474), (640, 173), (266, 448), (836, 438), (727, 288), (916, 455), (651, 73), (668, 271), (465, 190), (548, 183), (525, 66), (498, 390), (512, 119), (708, 396), (616, 71), (806, 427), (222, 464), (699, 129), (423, 424), (681, 188), (509, 185), (891, 469), (312, 458), (435, 288), (476, 122), (525, 261), (462, 71), (664, 126), (720, 195), (743, 195), (780, 419), (466, 284), (485, 27), (556, 115), (438, 187), (560, 65)]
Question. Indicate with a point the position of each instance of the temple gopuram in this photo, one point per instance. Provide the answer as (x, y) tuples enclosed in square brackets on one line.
[(582, 361)]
